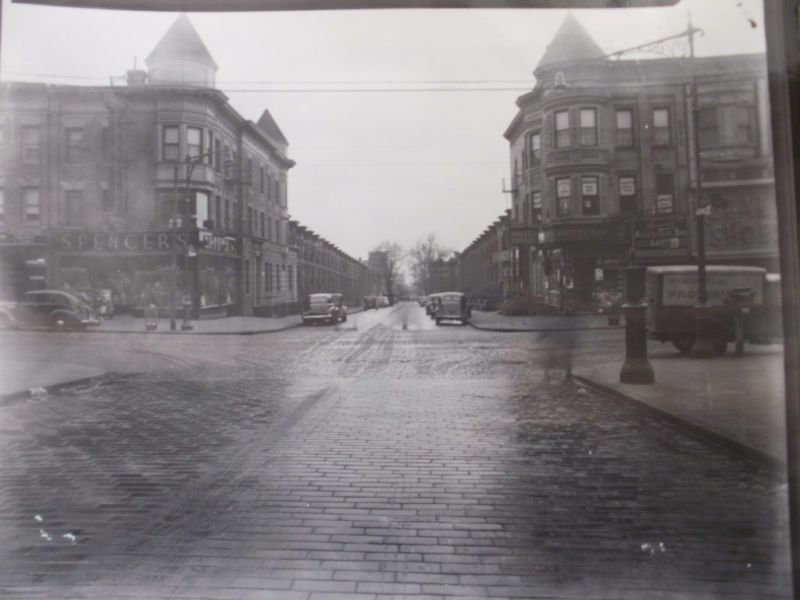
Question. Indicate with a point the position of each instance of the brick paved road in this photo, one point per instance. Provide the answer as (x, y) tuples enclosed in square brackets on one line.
[(386, 458)]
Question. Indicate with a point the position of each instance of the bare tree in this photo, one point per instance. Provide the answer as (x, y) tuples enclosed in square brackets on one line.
[(422, 256)]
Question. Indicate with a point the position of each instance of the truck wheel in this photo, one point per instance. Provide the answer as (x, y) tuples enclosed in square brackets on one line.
[(683, 343)]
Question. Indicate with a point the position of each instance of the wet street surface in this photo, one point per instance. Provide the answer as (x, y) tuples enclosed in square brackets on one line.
[(382, 458)]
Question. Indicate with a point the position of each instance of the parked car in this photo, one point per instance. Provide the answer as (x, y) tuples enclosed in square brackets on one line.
[(452, 306), (324, 308), (54, 309), (370, 302)]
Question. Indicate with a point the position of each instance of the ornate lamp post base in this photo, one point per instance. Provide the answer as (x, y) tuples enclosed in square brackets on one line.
[(637, 369)]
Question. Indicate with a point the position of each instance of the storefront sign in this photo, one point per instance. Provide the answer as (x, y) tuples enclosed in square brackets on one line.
[(218, 243), (661, 234), (524, 236), (150, 241), (579, 233)]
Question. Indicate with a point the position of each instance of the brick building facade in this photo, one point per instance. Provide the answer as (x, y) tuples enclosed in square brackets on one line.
[(602, 156), (107, 186)]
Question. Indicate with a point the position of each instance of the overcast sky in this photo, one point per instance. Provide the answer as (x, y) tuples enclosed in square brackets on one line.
[(371, 165)]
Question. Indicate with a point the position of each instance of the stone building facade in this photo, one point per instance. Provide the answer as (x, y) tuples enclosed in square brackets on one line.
[(603, 160), (485, 265), (111, 186)]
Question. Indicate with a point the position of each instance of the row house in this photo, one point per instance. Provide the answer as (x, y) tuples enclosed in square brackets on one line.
[(323, 267), (485, 265), (109, 187), (603, 156)]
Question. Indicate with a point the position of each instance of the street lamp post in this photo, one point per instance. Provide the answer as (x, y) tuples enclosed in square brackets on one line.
[(177, 222)]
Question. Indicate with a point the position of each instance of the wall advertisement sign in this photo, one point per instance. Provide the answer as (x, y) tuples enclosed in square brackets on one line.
[(680, 289), (661, 234)]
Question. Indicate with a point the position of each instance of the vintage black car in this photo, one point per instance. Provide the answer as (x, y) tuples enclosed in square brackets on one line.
[(324, 308), (53, 309)]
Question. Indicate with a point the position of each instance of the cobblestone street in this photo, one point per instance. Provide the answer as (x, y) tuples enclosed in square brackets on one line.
[(381, 458)]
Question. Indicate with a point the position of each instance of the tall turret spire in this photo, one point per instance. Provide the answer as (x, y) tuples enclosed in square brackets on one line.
[(181, 57), (571, 43)]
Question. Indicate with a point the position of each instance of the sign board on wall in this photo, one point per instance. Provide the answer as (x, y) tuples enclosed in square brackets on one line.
[(145, 242), (670, 233), (745, 223)]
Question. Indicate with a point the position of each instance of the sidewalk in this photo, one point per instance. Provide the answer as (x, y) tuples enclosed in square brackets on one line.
[(739, 402), (222, 326), (22, 378), (493, 321), (736, 401)]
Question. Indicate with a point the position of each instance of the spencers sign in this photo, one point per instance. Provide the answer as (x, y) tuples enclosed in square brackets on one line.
[(128, 241), (141, 242)]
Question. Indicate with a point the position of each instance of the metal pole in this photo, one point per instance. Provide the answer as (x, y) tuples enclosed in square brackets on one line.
[(173, 283)]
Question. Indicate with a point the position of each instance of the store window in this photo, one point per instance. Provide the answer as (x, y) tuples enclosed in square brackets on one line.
[(627, 196), (590, 196), (726, 126), (261, 179), (562, 129), (588, 127), (31, 210), (74, 144), (665, 191), (194, 142), (662, 135), (30, 143), (536, 201), (171, 143), (74, 208), (624, 128), (563, 196)]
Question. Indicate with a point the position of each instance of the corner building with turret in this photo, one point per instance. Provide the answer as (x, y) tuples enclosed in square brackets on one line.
[(109, 187), (604, 163)]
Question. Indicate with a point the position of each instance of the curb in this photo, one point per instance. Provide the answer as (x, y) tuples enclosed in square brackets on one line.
[(49, 389), (694, 430), (178, 332), (509, 330)]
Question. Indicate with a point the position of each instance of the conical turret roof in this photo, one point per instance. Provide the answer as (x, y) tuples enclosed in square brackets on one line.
[(181, 42), (571, 43)]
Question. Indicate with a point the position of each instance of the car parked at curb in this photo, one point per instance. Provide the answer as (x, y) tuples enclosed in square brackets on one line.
[(52, 309), (324, 308)]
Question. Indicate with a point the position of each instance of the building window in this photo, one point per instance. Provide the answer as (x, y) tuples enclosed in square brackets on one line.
[(725, 126), (261, 179), (290, 277), (588, 127), (665, 190), (194, 142), (209, 159), (215, 148), (30, 143), (661, 128), (227, 218), (534, 149), (562, 129), (171, 143), (277, 192), (74, 207), (74, 140), (247, 277), (536, 203), (31, 210), (590, 197), (262, 224), (106, 199), (627, 196), (278, 278), (563, 195), (624, 128)]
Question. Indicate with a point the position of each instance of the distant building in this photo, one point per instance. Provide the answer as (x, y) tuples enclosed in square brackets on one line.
[(322, 267), (602, 163), (95, 183), (445, 275), (379, 274)]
